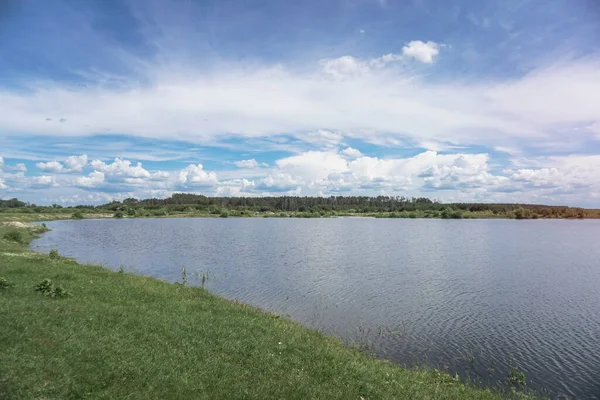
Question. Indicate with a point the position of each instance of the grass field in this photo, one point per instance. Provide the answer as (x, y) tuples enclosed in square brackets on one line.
[(122, 336)]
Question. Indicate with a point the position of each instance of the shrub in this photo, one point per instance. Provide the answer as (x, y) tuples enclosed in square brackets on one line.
[(224, 214), (118, 214), (77, 215), (14, 236), (457, 214), (54, 254), (520, 213), (447, 213), (4, 284)]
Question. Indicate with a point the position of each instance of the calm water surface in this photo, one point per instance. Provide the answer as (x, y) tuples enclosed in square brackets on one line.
[(468, 296)]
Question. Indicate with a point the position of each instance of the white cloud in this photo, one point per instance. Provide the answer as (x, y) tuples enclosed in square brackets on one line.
[(76, 163), (278, 182), (94, 179), (44, 181), (344, 67), (352, 153), (421, 51), (2, 184), (236, 188), (251, 163), (20, 168), (322, 137), (160, 176), (71, 164), (51, 166), (267, 101), (313, 165), (571, 180), (124, 176), (195, 175), (120, 168), (92, 198)]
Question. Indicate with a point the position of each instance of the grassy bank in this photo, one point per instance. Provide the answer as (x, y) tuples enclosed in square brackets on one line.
[(119, 335)]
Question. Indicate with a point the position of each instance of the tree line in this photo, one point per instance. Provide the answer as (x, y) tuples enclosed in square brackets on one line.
[(387, 206)]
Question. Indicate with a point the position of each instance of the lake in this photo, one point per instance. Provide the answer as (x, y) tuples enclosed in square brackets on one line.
[(468, 296)]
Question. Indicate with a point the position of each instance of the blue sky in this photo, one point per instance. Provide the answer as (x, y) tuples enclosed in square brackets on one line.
[(457, 101)]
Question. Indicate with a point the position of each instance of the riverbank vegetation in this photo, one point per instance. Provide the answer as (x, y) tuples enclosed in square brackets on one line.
[(192, 205), (79, 331)]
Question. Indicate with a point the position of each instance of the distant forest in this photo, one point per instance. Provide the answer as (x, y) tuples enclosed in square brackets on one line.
[(294, 206)]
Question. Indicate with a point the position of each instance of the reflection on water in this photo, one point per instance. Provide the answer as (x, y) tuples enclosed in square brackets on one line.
[(468, 296)]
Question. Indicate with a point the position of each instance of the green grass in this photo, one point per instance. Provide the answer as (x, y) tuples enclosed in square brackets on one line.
[(123, 336)]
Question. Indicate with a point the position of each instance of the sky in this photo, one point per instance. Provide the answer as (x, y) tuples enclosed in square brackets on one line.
[(461, 101)]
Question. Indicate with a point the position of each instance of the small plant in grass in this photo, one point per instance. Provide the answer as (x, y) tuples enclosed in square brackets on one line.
[(184, 276), (444, 378), (121, 269), (4, 283), (14, 236), (54, 254), (47, 288), (44, 287), (516, 376), (60, 292), (203, 277)]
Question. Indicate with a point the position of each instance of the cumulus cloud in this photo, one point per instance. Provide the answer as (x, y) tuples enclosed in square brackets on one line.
[(195, 175), (76, 163), (93, 180), (421, 51), (251, 163), (312, 165), (277, 182), (352, 153), (236, 188), (344, 67), (123, 175), (43, 181), (51, 166), (120, 168), (71, 164), (458, 177), (20, 168), (450, 176)]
